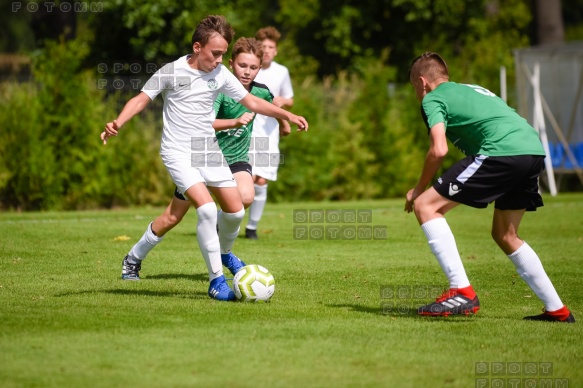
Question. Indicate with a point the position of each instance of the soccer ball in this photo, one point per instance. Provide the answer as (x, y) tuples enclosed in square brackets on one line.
[(253, 283)]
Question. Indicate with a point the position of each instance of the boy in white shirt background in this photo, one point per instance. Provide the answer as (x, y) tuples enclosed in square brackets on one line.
[(266, 131)]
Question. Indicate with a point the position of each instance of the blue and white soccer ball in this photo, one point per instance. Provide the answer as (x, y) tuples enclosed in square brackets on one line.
[(253, 283)]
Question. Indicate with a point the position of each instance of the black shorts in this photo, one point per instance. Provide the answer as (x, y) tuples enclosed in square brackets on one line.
[(235, 167), (240, 166), (510, 181)]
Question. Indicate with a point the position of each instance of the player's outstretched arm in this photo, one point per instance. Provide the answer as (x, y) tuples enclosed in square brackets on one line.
[(131, 108), (222, 124), (284, 127), (256, 104)]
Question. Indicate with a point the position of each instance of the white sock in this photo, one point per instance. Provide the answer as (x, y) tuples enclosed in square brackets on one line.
[(148, 241), (208, 240), (229, 224), (256, 208), (443, 246), (530, 269)]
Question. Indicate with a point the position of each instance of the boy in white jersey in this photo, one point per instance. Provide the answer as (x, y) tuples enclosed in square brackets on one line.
[(190, 86), (266, 130), (504, 160), (234, 124)]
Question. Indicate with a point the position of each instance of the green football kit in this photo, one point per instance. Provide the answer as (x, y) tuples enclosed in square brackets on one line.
[(235, 142), (504, 153), (478, 122)]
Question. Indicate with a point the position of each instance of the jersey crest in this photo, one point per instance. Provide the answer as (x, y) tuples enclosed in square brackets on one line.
[(212, 84)]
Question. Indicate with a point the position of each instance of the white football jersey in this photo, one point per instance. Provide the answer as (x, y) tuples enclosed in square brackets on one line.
[(189, 95), (276, 78)]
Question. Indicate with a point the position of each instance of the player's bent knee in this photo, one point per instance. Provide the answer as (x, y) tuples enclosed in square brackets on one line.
[(247, 201), (427, 207), (422, 211), (247, 198), (500, 236), (207, 212), (505, 241), (260, 181)]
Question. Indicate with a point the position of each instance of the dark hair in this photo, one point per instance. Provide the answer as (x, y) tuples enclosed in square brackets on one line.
[(270, 33), (430, 65), (210, 25), (247, 46)]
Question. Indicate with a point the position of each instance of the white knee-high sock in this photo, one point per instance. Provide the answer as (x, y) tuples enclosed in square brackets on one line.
[(443, 246), (148, 241), (208, 240), (229, 224), (530, 269), (256, 208)]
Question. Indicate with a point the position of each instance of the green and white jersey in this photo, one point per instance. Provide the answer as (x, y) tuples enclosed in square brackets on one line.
[(478, 122), (235, 142)]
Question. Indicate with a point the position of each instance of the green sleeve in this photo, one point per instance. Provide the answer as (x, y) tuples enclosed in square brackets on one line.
[(435, 111)]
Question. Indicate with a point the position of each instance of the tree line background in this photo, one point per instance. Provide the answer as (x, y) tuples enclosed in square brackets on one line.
[(68, 68)]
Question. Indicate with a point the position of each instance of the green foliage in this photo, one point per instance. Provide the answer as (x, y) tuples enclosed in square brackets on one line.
[(50, 152), (133, 173), (475, 37), (348, 62), (359, 141), (336, 32), (15, 33), (313, 161), (27, 163), (371, 109), (46, 131), (163, 29)]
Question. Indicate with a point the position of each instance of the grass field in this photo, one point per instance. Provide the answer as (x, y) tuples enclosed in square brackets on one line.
[(343, 314)]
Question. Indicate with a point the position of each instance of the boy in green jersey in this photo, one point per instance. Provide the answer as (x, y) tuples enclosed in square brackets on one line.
[(503, 162), (233, 123)]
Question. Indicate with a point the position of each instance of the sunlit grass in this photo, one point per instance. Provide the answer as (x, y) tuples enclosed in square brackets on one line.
[(343, 313)]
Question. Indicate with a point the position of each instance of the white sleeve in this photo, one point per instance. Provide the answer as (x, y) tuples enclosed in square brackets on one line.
[(161, 80), (286, 90), (232, 87)]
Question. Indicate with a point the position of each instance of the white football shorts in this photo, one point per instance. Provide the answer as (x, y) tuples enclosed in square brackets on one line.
[(187, 170)]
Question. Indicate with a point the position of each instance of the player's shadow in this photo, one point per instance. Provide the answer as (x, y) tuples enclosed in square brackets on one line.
[(193, 277), (397, 310), (366, 309), (168, 294), (401, 311), (383, 309)]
